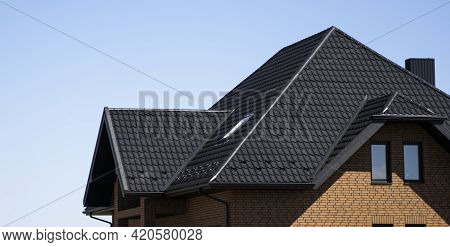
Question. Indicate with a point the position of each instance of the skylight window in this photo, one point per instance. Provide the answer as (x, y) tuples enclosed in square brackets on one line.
[(237, 126)]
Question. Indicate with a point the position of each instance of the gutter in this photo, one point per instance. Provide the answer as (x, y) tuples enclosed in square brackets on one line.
[(227, 206), (104, 221), (146, 194), (262, 186), (225, 186)]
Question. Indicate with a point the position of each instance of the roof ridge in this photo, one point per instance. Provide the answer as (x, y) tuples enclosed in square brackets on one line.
[(235, 87), (393, 63), (168, 110), (274, 102), (293, 44), (415, 103), (389, 103)]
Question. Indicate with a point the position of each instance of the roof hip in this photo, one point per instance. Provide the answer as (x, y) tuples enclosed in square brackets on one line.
[(275, 101)]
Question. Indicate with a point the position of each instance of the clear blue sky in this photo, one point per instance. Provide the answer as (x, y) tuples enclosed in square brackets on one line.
[(53, 90)]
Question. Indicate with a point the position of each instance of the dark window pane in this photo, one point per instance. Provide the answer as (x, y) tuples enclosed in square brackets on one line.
[(379, 164), (415, 225), (411, 162), (382, 225)]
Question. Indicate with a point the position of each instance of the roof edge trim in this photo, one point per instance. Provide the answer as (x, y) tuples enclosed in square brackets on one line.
[(396, 117), (168, 110), (185, 190), (347, 152), (274, 102), (116, 154), (416, 103), (261, 185), (147, 194), (99, 211)]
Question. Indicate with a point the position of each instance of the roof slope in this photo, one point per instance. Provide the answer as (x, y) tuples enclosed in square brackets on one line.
[(389, 106), (153, 144), (296, 134), (319, 105), (367, 122), (253, 96)]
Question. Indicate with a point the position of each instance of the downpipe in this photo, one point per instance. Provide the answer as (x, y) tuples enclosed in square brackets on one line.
[(227, 207)]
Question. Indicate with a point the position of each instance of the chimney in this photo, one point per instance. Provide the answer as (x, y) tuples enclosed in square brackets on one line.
[(422, 67)]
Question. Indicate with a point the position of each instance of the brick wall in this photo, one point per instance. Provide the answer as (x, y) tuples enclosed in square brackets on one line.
[(195, 211), (349, 199), (346, 199), (200, 211)]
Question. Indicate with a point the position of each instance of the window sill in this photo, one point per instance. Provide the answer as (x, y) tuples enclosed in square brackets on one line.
[(380, 183), (410, 182)]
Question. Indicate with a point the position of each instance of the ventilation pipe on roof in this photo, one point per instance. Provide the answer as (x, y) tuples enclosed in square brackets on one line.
[(422, 67)]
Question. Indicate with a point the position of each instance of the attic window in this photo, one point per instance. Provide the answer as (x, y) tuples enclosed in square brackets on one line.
[(380, 163), (412, 162), (237, 126)]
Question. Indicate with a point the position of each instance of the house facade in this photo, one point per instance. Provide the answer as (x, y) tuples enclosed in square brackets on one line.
[(327, 132)]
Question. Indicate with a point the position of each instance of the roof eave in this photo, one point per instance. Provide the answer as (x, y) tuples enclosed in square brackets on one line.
[(232, 186), (262, 185), (409, 118), (98, 211), (146, 194), (186, 190)]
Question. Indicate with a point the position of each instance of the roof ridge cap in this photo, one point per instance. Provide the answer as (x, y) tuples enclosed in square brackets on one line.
[(325, 30), (389, 103), (324, 39), (280, 50), (167, 110)]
